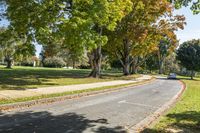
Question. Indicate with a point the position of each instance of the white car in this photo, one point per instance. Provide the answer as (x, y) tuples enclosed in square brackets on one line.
[(172, 76)]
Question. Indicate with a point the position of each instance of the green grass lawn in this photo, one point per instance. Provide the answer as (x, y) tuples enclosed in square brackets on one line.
[(28, 77), (184, 117)]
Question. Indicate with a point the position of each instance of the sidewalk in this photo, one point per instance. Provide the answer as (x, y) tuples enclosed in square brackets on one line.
[(12, 94)]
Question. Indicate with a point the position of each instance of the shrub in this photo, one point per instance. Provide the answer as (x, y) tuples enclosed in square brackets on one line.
[(84, 67), (55, 62), (27, 63)]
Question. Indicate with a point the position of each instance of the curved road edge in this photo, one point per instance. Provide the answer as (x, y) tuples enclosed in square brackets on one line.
[(27, 104), (150, 120)]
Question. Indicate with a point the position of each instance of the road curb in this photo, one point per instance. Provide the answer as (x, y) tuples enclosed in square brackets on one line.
[(21, 105), (148, 121)]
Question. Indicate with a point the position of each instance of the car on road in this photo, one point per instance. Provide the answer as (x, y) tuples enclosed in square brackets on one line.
[(172, 76)]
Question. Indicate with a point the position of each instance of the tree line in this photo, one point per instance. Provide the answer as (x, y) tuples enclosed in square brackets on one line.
[(130, 31)]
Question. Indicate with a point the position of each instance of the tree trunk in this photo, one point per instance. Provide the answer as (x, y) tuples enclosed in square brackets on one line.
[(8, 59), (134, 69), (134, 66), (126, 60), (9, 64), (161, 67), (126, 68), (123, 55), (96, 60), (192, 74), (96, 63), (73, 64)]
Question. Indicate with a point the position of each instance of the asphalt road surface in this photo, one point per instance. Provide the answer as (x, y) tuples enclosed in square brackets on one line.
[(111, 112)]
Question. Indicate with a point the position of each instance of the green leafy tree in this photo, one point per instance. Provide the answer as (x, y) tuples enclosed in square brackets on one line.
[(164, 49), (189, 55), (12, 46), (71, 56), (105, 15), (152, 62), (8, 44), (138, 33), (171, 64), (79, 23), (54, 62), (168, 40), (195, 4)]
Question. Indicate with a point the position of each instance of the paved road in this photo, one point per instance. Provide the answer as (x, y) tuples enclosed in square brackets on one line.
[(103, 113)]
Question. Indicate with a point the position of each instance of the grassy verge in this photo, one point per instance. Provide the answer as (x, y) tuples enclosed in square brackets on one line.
[(8, 101), (184, 117), (20, 78)]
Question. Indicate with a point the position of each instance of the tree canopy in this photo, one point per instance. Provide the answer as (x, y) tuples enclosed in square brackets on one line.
[(12, 46), (189, 55), (195, 4), (139, 32), (77, 24), (129, 30)]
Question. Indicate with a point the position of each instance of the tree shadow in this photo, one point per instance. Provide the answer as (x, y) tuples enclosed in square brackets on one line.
[(31, 78), (104, 129), (21, 79), (45, 122), (185, 122), (148, 130)]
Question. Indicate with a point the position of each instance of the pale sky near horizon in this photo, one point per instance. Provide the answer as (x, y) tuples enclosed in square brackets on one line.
[(191, 30)]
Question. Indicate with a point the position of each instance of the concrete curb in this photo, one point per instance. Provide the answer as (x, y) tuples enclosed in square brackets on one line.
[(148, 121), (21, 105)]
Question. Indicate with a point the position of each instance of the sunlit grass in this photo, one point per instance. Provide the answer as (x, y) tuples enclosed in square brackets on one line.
[(29, 77)]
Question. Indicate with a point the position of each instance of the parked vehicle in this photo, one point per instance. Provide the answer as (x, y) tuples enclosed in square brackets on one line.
[(172, 76)]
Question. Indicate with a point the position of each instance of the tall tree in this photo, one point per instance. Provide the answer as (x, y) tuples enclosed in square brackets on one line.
[(171, 64), (79, 23), (109, 13), (152, 62), (189, 55), (164, 49), (136, 34), (13, 46), (168, 41)]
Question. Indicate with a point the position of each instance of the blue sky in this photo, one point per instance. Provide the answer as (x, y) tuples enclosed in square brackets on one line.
[(191, 31)]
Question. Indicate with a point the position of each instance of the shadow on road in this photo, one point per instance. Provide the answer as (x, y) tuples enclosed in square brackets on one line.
[(45, 122)]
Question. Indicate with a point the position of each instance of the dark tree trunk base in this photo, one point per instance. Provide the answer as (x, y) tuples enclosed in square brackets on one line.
[(9, 64), (94, 74), (192, 75), (96, 63), (126, 71)]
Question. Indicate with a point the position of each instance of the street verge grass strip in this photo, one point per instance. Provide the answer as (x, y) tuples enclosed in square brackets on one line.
[(9, 104)]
